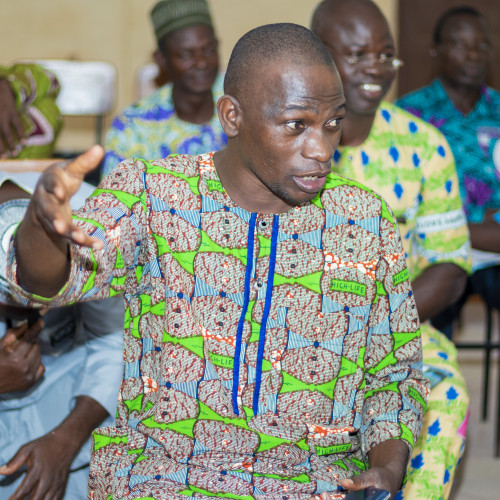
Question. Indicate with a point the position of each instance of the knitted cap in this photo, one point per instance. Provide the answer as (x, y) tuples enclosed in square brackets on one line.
[(170, 15)]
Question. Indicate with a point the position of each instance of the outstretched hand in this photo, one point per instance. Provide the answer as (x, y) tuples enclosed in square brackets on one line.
[(42, 239), (50, 203)]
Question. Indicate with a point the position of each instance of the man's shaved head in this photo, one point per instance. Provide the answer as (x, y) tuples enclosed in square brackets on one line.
[(325, 14), (268, 43)]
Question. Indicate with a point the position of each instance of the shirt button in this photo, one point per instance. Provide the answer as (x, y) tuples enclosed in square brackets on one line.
[(258, 285), (262, 224)]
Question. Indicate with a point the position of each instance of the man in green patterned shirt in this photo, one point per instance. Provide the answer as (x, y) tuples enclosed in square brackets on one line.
[(272, 346)]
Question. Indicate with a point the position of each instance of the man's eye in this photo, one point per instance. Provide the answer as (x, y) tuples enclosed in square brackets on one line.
[(295, 124), (334, 123)]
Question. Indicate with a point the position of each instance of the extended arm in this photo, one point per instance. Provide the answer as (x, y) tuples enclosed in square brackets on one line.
[(437, 287), (42, 248), (49, 457)]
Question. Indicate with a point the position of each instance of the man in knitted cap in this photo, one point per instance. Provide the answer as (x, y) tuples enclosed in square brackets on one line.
[(180, 117)]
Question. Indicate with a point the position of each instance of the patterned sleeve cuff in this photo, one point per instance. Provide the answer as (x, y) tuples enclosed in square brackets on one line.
[(28, 299)]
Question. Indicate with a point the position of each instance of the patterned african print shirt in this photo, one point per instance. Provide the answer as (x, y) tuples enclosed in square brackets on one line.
[(151, 129), (265, 355), (35, 89), (410, 164), (471, 138)]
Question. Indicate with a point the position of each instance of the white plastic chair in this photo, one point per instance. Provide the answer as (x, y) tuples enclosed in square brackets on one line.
[(88, 88), (146, 80)]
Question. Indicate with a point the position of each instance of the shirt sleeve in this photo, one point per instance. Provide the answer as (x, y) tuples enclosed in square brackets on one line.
[(115, 214), (441, 230), (396, 390)]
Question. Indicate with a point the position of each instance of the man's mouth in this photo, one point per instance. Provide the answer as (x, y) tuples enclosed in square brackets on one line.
[(371, 87), (311, 183)]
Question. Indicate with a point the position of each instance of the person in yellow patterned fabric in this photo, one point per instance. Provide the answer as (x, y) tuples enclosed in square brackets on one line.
[(30, 120), (272, 346), (409, 163)]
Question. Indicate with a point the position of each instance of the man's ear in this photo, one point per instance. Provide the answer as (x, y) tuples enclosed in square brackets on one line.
[(230, 114), (160, 59)]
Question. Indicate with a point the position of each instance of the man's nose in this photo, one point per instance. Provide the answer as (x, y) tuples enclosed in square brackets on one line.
[(320, 146), (200, 60)]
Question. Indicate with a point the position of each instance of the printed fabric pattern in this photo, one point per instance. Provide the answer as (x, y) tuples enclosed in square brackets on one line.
[(36, 90), (151, 129), (265, 355), (440, 446), (471, 137), (410, 164)]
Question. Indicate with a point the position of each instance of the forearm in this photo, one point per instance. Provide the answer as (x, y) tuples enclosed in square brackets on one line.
[(76, 428), (43, 260), (437, 287), (391, 455), (485, 236)]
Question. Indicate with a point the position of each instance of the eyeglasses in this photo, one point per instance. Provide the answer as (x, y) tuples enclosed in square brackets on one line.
[(464, 46), (387, 62)]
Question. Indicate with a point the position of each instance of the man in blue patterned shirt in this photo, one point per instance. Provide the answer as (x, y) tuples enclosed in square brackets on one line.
[(180, 117), (467, 111)]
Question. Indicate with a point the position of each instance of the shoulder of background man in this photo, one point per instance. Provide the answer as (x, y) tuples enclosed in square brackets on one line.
[(413, 122), (417, 96)]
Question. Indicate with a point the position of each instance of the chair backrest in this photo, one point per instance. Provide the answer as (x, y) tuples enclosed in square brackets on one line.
[(146, 80), (88, 88)]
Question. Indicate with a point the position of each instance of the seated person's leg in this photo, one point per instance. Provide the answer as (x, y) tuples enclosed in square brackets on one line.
[(440, 446), (445, 319)]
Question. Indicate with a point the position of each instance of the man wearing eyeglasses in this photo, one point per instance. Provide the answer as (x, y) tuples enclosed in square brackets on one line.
[(467, 112), (411, 165)]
